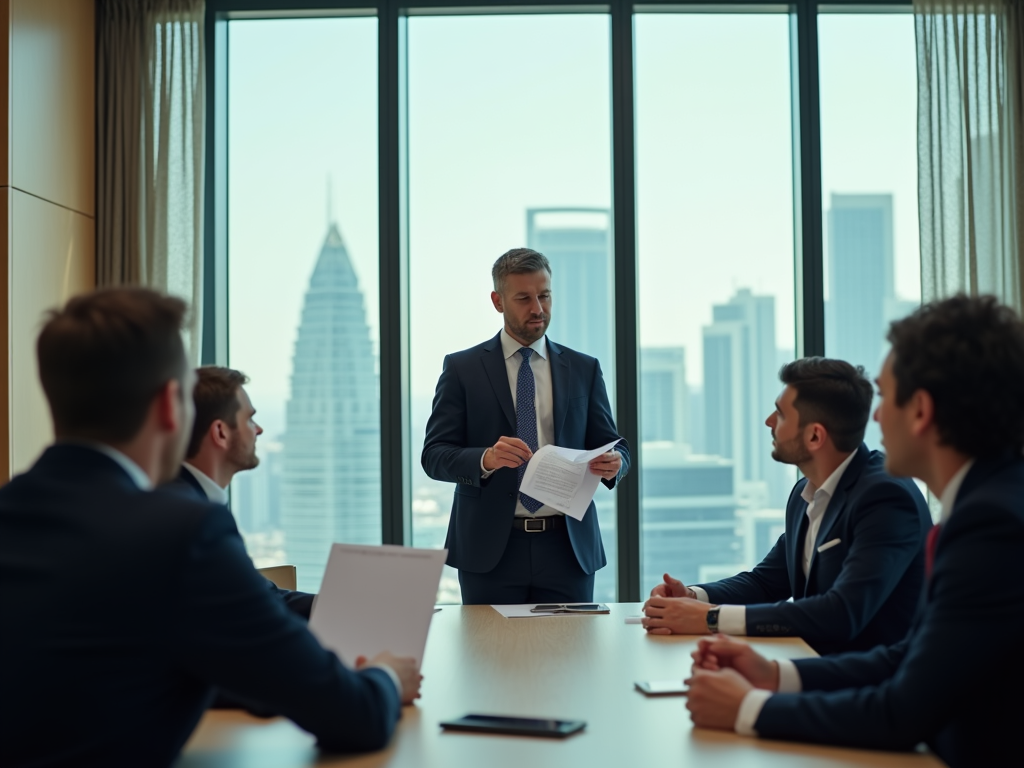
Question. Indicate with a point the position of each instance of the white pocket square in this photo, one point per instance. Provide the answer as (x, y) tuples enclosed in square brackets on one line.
[(828, 545)]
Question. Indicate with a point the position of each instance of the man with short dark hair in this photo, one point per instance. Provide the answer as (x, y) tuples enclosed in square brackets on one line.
[(122, 609), (952, 415), (851, 557), (223, 443), (496, 404)]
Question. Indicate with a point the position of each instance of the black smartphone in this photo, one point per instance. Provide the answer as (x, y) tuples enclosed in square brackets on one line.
[(518, 726), (662, 687)]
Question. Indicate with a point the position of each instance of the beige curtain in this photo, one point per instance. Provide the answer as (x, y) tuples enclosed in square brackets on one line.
[(969, 147), (150, 150)]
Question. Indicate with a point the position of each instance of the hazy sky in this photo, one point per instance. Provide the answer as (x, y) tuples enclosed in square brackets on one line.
[(510, 112)]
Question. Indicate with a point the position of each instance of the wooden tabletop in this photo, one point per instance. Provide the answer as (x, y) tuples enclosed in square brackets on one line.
[(566, 667)]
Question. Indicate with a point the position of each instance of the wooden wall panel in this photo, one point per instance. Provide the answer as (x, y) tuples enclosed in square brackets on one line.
[(54, 259), (52, 100)]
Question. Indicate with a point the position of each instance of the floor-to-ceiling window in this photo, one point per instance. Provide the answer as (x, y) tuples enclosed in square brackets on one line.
[(302, 283), (716, 273), (509, 146)]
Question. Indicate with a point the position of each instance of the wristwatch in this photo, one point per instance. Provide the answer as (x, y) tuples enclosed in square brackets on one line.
[(713, 620)]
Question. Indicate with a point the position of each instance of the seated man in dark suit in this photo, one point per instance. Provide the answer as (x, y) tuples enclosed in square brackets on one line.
[(122, 609), (951, 414), (223, 443), (852, 555)]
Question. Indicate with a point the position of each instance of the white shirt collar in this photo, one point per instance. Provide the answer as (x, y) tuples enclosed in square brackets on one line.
[(510, 346), (213, 492), (949, 493), (140, 478), (830, 485)]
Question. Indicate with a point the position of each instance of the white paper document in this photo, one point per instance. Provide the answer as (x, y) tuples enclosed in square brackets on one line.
[(560, 478), (376, 599)]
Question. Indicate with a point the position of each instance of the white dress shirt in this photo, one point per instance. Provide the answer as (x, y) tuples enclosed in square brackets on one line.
[(732, 619), (789, 677), (544, 404), (213, 492)]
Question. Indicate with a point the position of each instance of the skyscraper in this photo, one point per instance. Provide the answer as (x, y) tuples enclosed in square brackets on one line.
[(331, 458), (860, 278), (664, 396), (576, 242), (740, 386)]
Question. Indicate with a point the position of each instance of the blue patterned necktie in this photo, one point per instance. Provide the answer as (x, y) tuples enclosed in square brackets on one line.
[(526, 419)]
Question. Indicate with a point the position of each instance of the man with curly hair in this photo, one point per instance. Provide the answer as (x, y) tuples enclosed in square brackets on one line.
[(952, 415)]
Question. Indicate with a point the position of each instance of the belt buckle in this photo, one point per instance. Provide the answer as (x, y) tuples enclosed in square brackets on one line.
[(541, 522)]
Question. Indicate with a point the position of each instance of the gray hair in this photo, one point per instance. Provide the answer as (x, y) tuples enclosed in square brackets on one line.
[(518, 261)]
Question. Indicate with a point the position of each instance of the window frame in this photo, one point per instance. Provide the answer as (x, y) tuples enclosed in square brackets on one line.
[(392, 15)]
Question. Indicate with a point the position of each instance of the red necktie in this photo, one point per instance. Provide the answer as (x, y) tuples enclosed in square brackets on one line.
[(929, 550)]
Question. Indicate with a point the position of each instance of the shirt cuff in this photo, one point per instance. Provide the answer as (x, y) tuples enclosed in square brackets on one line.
[(485, 473), (750, 710), (732, 620), (701, 594), (391, 673), (789, 677)]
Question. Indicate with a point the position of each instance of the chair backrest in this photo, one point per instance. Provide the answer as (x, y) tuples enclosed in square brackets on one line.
[(282, 575)]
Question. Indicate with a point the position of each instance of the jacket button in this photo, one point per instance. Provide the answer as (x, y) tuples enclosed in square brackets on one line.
[(512, 495)]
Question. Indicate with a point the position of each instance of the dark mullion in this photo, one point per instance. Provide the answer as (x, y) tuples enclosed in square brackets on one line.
[(808, 229), (214, 331), (626, 336), (396, 491)]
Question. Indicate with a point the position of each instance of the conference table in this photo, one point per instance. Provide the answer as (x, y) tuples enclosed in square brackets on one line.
[(564, 667)]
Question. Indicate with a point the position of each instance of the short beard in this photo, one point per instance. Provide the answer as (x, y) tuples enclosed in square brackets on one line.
[(791, 452), (243, 461), (529, 334)]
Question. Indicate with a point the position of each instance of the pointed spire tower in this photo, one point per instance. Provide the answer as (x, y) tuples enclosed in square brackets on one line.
[(331, 474)]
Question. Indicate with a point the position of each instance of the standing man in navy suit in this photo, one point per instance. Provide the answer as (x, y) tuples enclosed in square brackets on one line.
[(495, 405), (223, 443), (852, 555), (121, 608), (951, 414)]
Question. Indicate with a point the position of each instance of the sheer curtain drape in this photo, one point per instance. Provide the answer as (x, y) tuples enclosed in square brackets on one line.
[(969, 147), (150, 153)]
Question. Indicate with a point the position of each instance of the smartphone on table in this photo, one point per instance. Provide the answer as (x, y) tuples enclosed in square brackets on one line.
[(515, 726), (662, 687)]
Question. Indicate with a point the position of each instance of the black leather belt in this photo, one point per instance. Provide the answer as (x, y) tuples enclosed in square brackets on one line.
[(538, 524)]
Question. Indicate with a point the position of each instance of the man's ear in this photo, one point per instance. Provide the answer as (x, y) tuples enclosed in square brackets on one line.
[(815, 437), (921, 409), (218, 433), (166, 406), (496, 301)]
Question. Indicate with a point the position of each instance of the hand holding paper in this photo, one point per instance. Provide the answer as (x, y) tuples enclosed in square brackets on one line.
[(560, 477)]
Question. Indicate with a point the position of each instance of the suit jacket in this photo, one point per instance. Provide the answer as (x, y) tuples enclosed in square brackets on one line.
[(301, 603), (956, 680), (472, 409), (122, 609), (859, 593)]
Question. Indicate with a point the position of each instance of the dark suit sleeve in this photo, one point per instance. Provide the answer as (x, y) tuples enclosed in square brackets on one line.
[(445, 456), (230, 631), (768, 582), (973, 607), (299, 603), (886, 539), (847, 670), (601, 426)]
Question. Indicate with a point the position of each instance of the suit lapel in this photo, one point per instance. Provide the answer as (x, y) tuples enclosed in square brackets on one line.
[(493, 360), (795, 546), (838, 501), (560, 374)]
